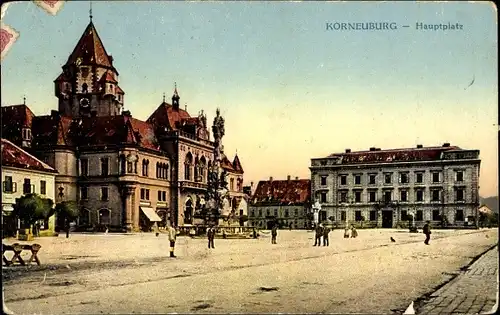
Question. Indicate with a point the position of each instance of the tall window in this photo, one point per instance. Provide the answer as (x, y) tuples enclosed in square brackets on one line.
[(387, 196), (435, 215), (104, 166), (84, 167), (420, 195), (435, 195), (357, 179), (387, 178), (357, 215), (372, 178), (404, 215), (404, 178), (459, 215), (460, 176), (342, 215), (187, 166), (343, 179), (144, 194), (343, 196), (286, 213), (231, 185), (404, 195), (9, 185), (420, 215), (43, 187), (373, 215), (419, 178), (323, 180), (460, 194), (104, 193), (373, 196), (130, 167), (145, 167), (435, 177), (323, 197), (27, 186), (357, 196)]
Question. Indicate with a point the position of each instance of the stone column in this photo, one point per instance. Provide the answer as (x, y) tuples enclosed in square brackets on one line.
[(127, 192)]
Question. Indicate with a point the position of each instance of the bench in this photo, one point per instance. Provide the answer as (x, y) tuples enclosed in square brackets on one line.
[(17, 249)]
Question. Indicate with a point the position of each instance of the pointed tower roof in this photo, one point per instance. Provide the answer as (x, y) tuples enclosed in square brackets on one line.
[(90, 50), (237, 165)]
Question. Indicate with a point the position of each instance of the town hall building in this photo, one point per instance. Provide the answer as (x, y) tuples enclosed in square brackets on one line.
[(124, 173)]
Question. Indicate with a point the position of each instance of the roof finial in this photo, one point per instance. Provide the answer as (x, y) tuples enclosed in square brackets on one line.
[(24, 100), (186, 106), (90, 11), (163, 97)]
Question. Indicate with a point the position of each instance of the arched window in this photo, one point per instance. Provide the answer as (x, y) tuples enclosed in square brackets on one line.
[(104, 217), (84, 217), (187, 166), (122, 164), (196, 169), (231, 187), (145, 167), (202, 169), (166, 171), (158, 175)]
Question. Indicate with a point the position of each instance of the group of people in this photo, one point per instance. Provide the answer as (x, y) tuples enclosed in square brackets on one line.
[(350, 232), (321, 232)]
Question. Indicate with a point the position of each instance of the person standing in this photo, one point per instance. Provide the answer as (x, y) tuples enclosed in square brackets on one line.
[(274, 234), (326, 231), (319, 233), (211, 237), (172, 236), (427, 232), (354, 233), (346, 232)]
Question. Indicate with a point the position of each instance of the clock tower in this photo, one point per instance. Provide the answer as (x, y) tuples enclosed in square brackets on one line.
[(88, 84)]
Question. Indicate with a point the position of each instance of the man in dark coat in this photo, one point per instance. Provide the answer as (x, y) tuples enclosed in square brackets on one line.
[(211, 236), (326, 231), (427, 232), (274, 234), (319, 234)]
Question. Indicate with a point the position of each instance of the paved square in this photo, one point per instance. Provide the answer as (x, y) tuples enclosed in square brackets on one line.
[(132, 273)]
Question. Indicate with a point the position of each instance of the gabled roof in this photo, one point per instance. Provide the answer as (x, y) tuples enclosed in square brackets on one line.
[(109, 77), (282, 192), (166, 116), (393, 155), (20, 115), (237, 165), (119, 90), (226, 164), (62, 77), (14, 156), (52, 130), (90, 49)]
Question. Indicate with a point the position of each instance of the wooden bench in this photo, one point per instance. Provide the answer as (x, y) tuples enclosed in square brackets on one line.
[(17, 249)]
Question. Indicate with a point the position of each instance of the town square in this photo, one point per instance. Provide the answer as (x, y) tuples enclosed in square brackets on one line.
[(248, 157)]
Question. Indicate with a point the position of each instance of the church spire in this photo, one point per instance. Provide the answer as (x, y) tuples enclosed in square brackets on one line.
[(175, 98), (90, 12)]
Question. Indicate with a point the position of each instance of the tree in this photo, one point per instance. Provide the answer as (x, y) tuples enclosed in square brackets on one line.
[(68, 211), (31, 208)]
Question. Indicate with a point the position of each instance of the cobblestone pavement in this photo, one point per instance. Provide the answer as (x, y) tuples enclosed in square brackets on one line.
[(471, 292)]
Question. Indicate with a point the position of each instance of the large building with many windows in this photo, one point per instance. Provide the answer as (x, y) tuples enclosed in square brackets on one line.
[(125, 173), (388, 188), (285, 202)]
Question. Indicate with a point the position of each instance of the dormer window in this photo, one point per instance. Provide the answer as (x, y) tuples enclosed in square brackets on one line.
[(26, 133)]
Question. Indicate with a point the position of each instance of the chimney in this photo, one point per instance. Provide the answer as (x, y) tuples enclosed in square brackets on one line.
[(126, 113), (373, 149), (270, 178), (288, 178), (419, 146), (446, 145), (296, 178), (347, 150)]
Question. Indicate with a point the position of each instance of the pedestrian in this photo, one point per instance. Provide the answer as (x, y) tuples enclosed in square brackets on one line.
[(172, 235), (211, 236), (290, 226), (274, 234), (427, 232), (319, 234), (346, 232), (326, 231), (354, 233)]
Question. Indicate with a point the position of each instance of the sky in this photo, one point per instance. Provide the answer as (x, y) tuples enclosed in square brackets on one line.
[(289, 88)]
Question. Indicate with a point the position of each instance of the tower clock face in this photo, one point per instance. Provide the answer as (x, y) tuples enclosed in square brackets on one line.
[(84, 102)]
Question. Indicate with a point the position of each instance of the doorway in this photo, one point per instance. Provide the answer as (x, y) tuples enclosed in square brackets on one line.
[(387, 218)]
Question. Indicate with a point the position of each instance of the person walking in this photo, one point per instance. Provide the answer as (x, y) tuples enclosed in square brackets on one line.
[(172, 236), (319, 234), (427, 232), (354, 233), (326, 231), (274, 234), (346, 232), (211, 237)]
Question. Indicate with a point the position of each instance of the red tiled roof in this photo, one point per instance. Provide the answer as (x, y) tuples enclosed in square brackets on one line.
[(237, 165), (166, 116), (53, 130), (147, 135), (393, 155), (109, 77), (14, 156), (62, 77), (284, 192), (226, 164), (19, 114), (90, 49), (119, 90)]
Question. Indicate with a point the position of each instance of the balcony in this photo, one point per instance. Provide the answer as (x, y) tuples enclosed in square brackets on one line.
[(193, 185), (185, 135)]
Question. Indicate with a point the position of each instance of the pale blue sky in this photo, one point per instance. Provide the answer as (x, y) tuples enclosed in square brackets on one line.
[(289, 89)]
